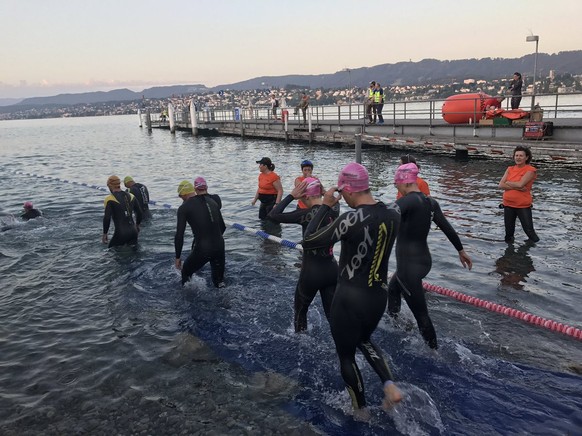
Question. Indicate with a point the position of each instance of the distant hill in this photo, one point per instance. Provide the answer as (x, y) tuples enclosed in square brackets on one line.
[(424, 72), (110, 96)]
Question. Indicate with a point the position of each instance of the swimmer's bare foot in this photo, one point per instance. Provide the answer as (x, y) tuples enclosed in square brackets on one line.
[(362, 415), (392, 395)]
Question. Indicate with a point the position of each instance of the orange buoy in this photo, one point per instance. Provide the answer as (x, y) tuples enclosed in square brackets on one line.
[(464, 108)]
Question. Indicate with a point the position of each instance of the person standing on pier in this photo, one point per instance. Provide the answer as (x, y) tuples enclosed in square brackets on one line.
[(517, 199), (303, 105), (270, 189), (274, 106), (515, 89), (369, 101), (202, 213), (413, 259), (120, 206), (141, 193), (367, 235), (378, 103)]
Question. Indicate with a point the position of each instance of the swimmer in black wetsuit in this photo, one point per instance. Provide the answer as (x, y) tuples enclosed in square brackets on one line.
[(412, 254), (367, 235), (141, 193), (318, 267), (120, 206), (203, 215), (30, 212)]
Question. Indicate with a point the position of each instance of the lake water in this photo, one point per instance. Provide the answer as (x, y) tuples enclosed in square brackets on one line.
[(94, 341)]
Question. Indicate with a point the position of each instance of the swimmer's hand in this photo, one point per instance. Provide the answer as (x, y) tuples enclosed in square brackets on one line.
[(104, 238), (178, 264), (254, 201), (465, 260), (332, 196), (299, 190)]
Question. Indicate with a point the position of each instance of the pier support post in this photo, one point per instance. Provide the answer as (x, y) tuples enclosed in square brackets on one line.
[(171, 118), (193, 118), (286, 119), (139, 116), (310, 126), (149, 120), (358, 139), (241, 125)]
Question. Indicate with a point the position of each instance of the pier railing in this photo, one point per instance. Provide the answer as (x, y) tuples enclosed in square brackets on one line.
[(556, 105)]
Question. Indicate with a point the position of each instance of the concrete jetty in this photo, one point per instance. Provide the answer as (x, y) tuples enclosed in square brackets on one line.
[(417, 135)]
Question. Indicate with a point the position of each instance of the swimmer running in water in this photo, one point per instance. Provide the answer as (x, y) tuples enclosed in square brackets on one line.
[(413, 260), (367, 235), (120, 206), (201, 211), (318, 267), (141, 193)]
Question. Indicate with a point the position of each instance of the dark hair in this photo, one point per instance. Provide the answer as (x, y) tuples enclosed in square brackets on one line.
[(517, 74), (407, 158), (526, 150), (271, 167)]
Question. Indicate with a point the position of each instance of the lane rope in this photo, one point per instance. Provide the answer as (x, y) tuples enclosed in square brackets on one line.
[(459, 296)]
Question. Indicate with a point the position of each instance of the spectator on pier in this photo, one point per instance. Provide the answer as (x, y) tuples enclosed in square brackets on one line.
[(369, 101), (515, 89), (30, 212), (517, 199), (422, 185), (413, 259), (378, 103), (141, 193), (274, 105), (303, 105), (270, 190)]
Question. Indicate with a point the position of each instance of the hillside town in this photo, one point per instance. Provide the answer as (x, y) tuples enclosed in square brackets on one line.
[(290, 95)]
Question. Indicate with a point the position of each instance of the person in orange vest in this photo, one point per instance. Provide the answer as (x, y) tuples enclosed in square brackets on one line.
[(517, 199)]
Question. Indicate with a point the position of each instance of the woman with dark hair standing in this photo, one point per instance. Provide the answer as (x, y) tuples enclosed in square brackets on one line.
[(270, 189), (517, 199)]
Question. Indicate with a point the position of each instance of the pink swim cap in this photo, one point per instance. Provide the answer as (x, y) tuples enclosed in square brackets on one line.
[(353, 178), (406, 173), (200, 183), (28, 205), (313, 188)]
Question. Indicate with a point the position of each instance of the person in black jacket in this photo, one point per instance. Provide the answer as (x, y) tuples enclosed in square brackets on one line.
[(515, 89)]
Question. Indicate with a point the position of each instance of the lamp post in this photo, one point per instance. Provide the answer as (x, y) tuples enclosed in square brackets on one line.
[(350, 82), (532, 38)]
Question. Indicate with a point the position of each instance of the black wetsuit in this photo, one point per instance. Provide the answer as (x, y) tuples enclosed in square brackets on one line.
[(203, 215), (318, 268), (30, 214), (121, 206), (142, 196), (367, 236), (413, 260), (515, 88)]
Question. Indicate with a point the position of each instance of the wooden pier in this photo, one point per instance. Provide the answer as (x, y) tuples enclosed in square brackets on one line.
[(418, 135)]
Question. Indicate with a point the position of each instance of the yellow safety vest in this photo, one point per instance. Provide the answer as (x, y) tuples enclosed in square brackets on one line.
[(378, 96)]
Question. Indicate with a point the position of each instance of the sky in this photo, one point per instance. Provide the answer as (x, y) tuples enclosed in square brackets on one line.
[(69, 46)]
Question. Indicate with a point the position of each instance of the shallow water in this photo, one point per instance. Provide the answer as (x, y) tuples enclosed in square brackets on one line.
[(99, 341)]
